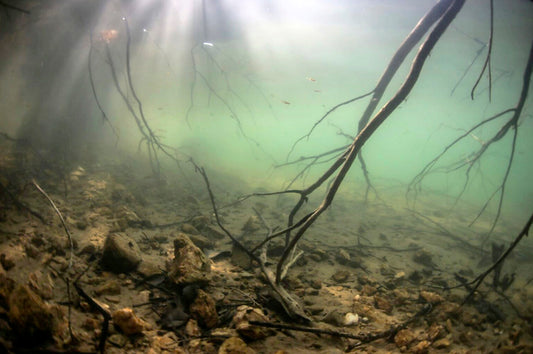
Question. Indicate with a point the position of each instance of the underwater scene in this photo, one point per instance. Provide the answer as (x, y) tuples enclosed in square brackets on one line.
[(266, 176)]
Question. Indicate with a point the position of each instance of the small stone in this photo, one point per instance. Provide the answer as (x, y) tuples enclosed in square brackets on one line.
[(241, 319), (148, 268), (432, 298), (421, 347), (235, 345), (189, 229), (383, 304), (42, 284), (201, 241), (239, 257), (442, 343), (128, 322), (115, 299), (404, 337), (335, 317), (368, 290), (399, 275), (200, 222), (118, 340), (203, 309), (316, 284), (31, 250), (251, 225), (434, 332), (401, 296), (110, 287), (425, 258), (121, 254), (343, 257), (340, 276), (213, 233), (351, 319), (192, 329), (7, 263), (199, 346)]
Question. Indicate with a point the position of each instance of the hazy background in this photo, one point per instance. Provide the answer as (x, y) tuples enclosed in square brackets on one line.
[(278, 66)]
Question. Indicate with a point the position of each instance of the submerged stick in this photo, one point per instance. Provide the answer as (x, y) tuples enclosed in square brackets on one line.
[(479, 279), (60, 217)]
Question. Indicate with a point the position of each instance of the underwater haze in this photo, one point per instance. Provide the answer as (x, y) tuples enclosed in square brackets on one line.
[(266, 96), (236, 84)]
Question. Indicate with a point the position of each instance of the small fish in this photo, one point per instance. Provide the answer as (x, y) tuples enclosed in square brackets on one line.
[(317, 90), (311, 79), (285, 102)]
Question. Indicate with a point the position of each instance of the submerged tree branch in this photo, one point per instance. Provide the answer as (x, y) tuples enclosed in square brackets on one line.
[(346, 160)]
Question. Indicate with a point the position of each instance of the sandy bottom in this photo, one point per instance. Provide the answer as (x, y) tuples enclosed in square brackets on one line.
[(365, 268)]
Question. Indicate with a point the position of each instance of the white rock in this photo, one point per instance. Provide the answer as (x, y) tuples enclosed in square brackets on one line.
[(351, 319)]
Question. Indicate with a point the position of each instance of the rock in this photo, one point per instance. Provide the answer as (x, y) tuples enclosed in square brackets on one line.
[(189, 229), (315, 284), (111, 287), (241, 319), (442, 343), (192, 329), (148, 269), (239, 257), (201, 241), (335, 318), (343, 257), (251, 225), (42, 284), (404, 337), (401, 296), (31, 250), (368, 290), (6, 288), (383, 304), (199, 346), (235, 345), (421, 347), (213, 233), (425, 258), (399, 275), (416, 277), (200, 222), (190, 265), (121, 254), (118, 340), (6, 262), (115, 299), (29, 316), (203, 309), (432, 298), (166, 343), (351, 319), (435, 331), (340, 276), (126, 320)]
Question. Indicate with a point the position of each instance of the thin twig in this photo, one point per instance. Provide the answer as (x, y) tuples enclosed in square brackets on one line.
[(479, 279), (60, 217)]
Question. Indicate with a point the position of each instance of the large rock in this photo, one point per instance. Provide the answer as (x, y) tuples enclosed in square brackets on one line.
[(203, 309), (121, 253), (128, 322), (190, 265), (29, 316)]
